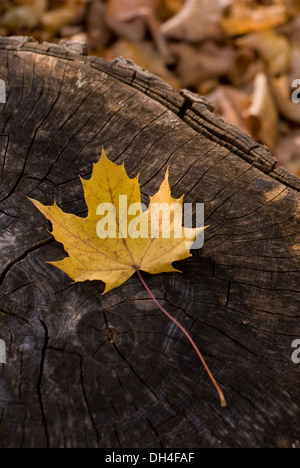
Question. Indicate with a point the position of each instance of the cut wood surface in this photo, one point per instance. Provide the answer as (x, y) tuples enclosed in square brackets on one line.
[(86, 370)]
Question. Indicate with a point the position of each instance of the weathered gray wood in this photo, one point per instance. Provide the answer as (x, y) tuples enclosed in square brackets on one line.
[(90, 371)]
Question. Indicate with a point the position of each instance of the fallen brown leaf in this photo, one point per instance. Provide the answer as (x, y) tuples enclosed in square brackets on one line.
[(197, 64), (168, 8), (282, 89), (145, 54), (54, 20), (24, 16), (231, 104), (262, 115), (244, 76), (295, 62), (243, 18), (131, 19), (273, 48), (197, 20), (98, 30), (287, 152)]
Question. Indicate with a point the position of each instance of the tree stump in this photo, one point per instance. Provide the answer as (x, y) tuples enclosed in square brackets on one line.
[(86, 370)]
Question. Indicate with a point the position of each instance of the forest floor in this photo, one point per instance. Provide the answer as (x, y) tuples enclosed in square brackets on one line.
[(243, 55)]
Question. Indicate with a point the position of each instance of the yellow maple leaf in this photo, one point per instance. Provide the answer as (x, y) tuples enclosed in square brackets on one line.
[(115, 258), (120, 237)]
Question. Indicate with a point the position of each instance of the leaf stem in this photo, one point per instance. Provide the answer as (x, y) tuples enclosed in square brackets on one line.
[(217, 387)]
